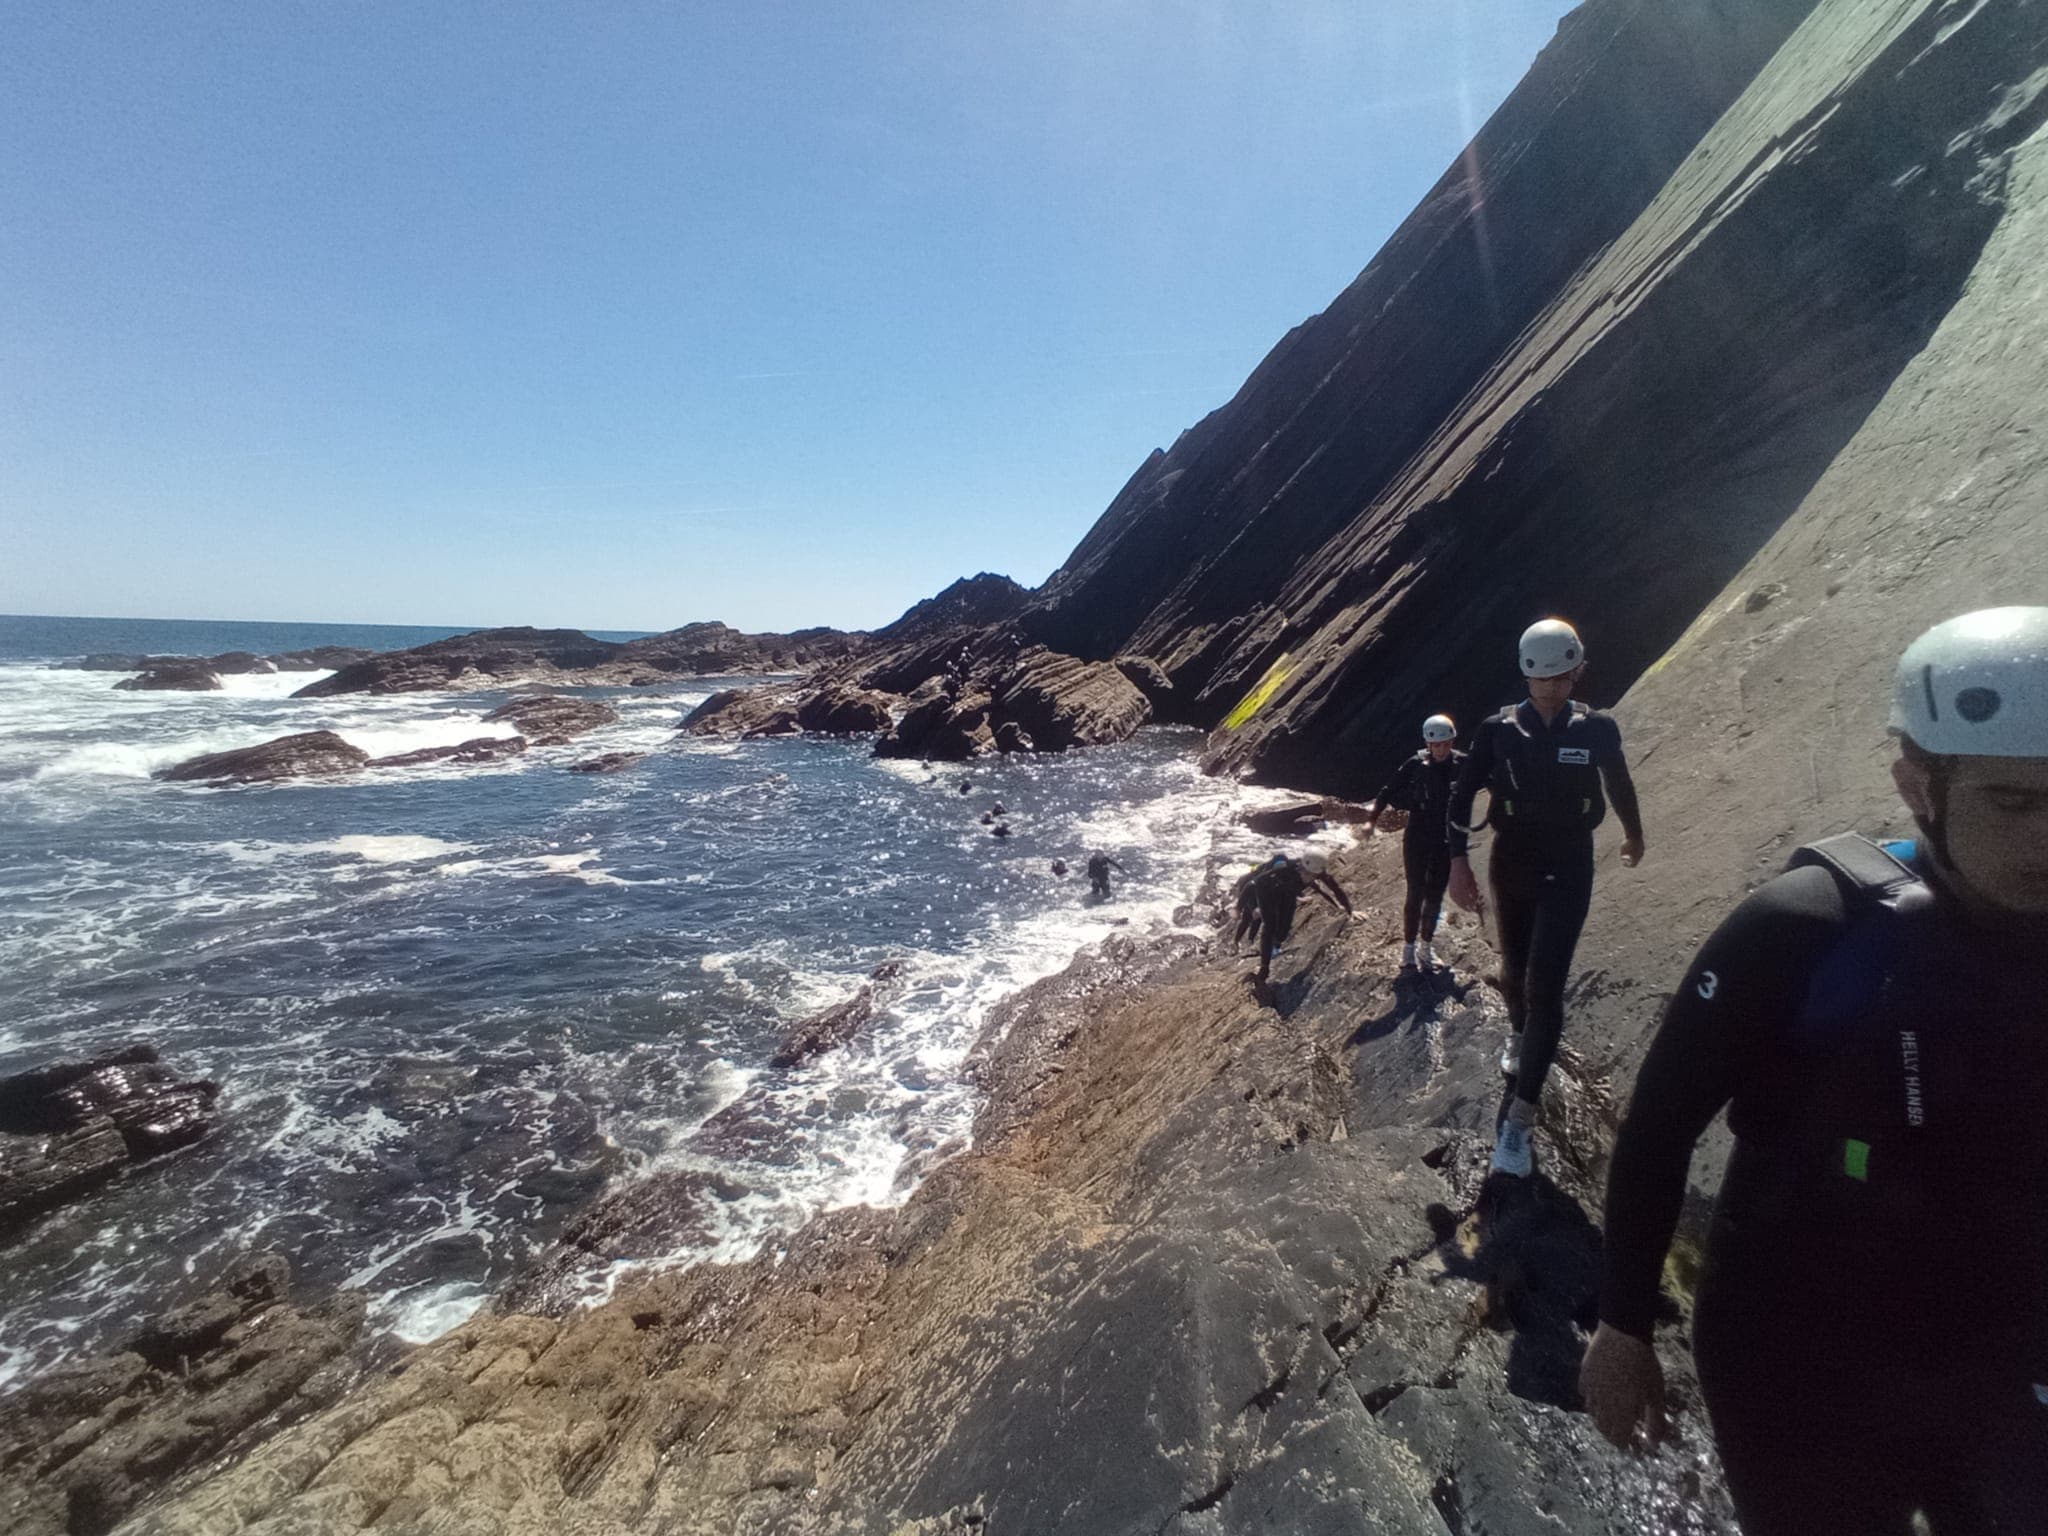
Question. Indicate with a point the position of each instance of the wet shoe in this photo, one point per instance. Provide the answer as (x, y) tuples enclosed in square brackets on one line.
[(1426, 957), (1511, 1056), (1408, 957), (1511, 1152)]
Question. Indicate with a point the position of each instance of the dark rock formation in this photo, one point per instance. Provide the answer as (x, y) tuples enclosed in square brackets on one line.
[(1063, 703), (700, 650), (307, 754), (842, 711), (81, 1447), (972, 603), (494, 657), (317, 659), (1302, 817), (479, 749), (320, 658), (1660, 378), (241, 663), (825, 1029), (483, 659), (608, 762), (185, 676), (68, 1128), (549, 719), (1150, 679)]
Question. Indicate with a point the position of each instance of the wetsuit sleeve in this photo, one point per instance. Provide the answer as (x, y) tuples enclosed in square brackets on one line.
[(1737, 1000), (1478, 769), (1621, 789)]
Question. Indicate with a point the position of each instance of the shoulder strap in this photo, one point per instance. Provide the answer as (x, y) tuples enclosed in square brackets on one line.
[(1869, 875), (1881, 893)]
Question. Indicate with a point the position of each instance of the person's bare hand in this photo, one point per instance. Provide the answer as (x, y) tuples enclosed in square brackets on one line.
[(1623, 1385), (1631, 852)]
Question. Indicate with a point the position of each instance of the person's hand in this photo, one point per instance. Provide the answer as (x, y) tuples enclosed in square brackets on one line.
[(1372, 825), (1464, 888), (1631, 852), (1623, 1385)]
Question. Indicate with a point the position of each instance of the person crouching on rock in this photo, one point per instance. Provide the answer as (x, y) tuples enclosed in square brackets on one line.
[(1422, 787), (1099, 866), (1871, 1329), (1542, 763), (1267, 897)]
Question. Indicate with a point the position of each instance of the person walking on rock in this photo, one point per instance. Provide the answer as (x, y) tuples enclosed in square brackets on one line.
[(1099, 866), (1871, 1329), (1267, 897), (1544, 763), (1422, 787)]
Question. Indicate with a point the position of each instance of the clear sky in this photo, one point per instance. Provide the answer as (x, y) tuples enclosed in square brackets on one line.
[(622, 316)]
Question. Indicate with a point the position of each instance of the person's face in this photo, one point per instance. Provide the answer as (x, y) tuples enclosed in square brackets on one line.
[(1439, 750), (1549, 693), (1996, 825)]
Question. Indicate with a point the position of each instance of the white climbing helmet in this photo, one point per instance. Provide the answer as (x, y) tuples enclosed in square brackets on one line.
[(1313, 863), (1551, 648), (1977, 686), (1439, 728)]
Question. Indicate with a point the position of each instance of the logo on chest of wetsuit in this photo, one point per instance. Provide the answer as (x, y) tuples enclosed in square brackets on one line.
[(1909, 1059), (1580, 755)]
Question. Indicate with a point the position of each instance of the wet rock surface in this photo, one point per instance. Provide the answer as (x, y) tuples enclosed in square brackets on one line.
[(608, 762), (480, 749), (173, 676), (68, 1128), (305, 754), (548, 720), (81, 1447)]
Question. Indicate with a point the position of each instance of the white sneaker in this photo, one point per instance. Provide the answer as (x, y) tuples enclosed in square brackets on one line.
[(1511, 1154), (1511, 1055), (1425, 956), (1408, 956)]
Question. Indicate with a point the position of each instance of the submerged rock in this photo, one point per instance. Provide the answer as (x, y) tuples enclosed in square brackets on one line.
[(307, 754), (175, 676), (549, 719), (478, 749), (608, 762)]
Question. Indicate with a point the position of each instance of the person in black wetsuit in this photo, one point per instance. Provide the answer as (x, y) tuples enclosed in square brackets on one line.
[(1099, 866), (1871, 1329), (1543, 763), (1267, 897), (1422, 786)]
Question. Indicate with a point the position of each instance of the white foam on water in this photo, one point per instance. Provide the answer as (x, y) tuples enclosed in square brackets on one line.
[(426, 1312), (393, 848), (441, 729)]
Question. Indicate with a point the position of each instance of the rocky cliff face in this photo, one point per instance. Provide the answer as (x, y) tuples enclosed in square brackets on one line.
[(1606, 423)]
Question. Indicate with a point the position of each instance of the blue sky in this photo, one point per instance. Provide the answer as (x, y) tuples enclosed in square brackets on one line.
[(623, 316)]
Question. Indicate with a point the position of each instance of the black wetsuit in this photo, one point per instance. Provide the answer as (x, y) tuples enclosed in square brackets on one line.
[(1872, 1327), (1545, 783), (1099, 866), (1266, 900), (1422, 787)]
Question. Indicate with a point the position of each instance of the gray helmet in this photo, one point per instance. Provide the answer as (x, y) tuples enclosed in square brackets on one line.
[(1439, 728), (1977, 686)]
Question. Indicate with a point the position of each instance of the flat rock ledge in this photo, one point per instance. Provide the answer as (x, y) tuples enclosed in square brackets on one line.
[(1211, 1265)]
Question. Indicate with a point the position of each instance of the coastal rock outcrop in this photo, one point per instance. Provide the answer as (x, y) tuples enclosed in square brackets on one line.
[(608, 762), (306, 754), (843, 711), (1062, 702), (180, 676), (740, 712), (483, 659), (479, 749), (68, 1128), (81, 1447), (549, 719), (1353, 542)]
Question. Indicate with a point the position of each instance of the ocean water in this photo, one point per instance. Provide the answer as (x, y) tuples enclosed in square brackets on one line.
[(446, 1004)]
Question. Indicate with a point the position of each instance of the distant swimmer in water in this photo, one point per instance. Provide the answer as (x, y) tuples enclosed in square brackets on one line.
[(1059, 866), (1099, 866), (1267, 897)]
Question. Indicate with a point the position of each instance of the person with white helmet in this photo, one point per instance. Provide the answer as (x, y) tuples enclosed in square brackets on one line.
[(1549, 766), (1422, 786), (1267, 897), (1871, 1328)]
